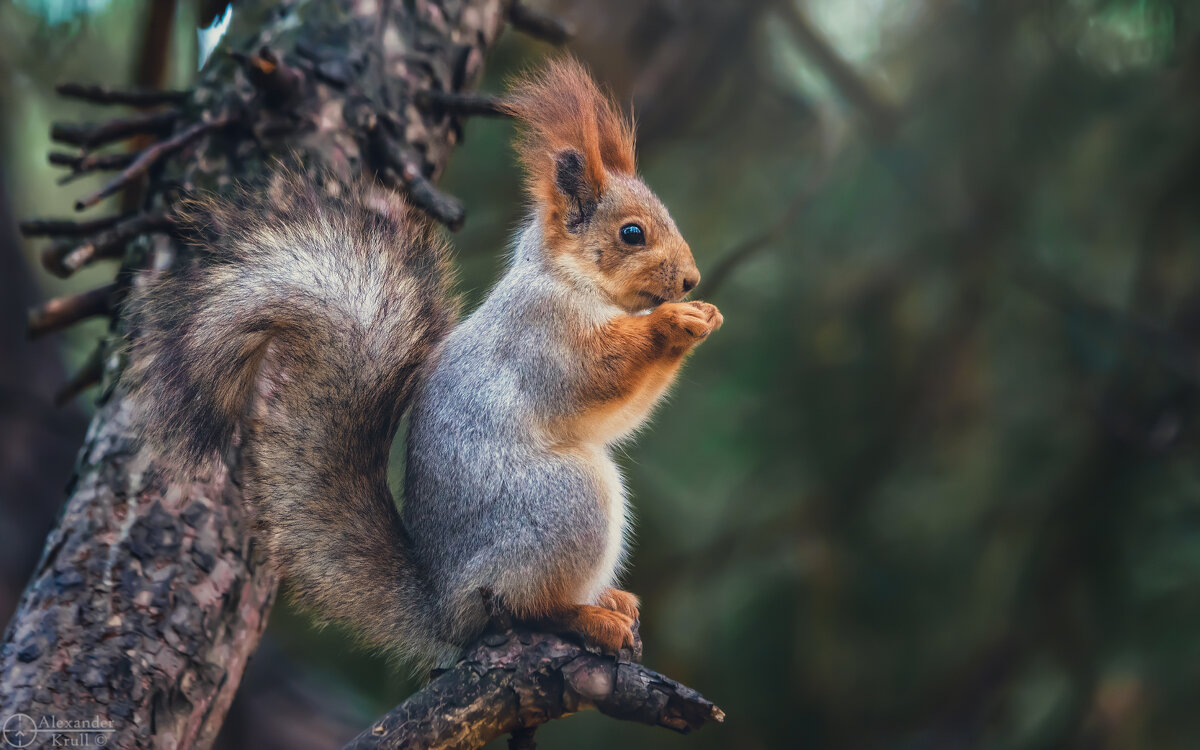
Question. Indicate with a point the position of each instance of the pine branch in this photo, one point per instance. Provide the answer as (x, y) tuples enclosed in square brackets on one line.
[(64, 312), (91, 135), (68, 228), (484, 105), (81, 164), (511, 682), (401, 170)]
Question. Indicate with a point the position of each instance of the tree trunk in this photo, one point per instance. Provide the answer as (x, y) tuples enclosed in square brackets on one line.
[(150, 595)]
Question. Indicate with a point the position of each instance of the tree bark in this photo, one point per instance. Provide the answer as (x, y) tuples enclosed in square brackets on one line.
[(150, 595)]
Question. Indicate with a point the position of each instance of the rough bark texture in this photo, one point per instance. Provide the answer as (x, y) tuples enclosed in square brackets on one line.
[(150, 595), (520, 679)]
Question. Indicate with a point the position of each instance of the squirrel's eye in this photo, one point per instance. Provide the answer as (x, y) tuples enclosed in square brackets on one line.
[(632, 234)]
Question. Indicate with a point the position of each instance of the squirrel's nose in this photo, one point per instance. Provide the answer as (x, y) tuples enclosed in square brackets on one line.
[(690, 281)]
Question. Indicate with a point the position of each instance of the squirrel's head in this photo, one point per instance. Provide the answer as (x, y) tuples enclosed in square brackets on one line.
[(600, 222)]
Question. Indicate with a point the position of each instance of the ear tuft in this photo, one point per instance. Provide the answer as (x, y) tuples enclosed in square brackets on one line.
[(561, 109)]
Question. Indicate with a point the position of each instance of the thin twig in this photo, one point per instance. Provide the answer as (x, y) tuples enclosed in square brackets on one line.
[(91, 135), (539, 24), (424, 195), (485, 105), (131, 97), (151, 155), (66, 228), (64, 312), (65, 258), (402, 171), (81, 164)]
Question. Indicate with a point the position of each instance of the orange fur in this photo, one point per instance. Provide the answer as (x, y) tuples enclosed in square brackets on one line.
[(561, 107), (609, 627), (620, 601), (578, 153), (630, 361)]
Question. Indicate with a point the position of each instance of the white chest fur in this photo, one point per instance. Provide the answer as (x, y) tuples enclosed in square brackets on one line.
[(612, 487)]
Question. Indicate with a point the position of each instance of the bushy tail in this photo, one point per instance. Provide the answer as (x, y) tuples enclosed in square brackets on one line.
[(300, 326)]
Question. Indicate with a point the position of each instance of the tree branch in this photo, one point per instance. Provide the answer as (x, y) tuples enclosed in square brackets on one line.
[(281, 84), (64, 312), (485, 105), (91, 135), (402, 171), (81, 164), (131, 97), (68, 228), (519, 679), (66, 257), (424, 195)]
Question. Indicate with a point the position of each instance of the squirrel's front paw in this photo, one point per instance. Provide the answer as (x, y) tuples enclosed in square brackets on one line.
[(606, 628), (691, 320)]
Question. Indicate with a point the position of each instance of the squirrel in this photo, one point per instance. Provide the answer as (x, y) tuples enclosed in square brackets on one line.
[(315, 311)]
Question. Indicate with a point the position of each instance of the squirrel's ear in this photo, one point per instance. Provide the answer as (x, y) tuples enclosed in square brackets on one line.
[(576, 188), (572, 140)]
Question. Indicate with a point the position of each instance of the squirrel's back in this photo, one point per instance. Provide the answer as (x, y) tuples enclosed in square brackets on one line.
[(303, 320)]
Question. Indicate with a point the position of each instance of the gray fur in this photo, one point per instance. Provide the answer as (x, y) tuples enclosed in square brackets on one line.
[(489, 502), (303, 322)]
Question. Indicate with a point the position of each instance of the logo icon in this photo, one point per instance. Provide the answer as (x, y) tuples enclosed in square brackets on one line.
[(19, 731)]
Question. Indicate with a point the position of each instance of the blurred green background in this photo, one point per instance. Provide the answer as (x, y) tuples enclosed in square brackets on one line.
[(934, 484)]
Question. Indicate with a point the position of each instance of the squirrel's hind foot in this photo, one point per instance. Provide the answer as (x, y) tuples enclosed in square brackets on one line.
[(606, 628), (620, 601)]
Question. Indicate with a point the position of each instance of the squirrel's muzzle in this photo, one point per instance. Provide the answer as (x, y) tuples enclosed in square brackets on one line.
[(686, 276)]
